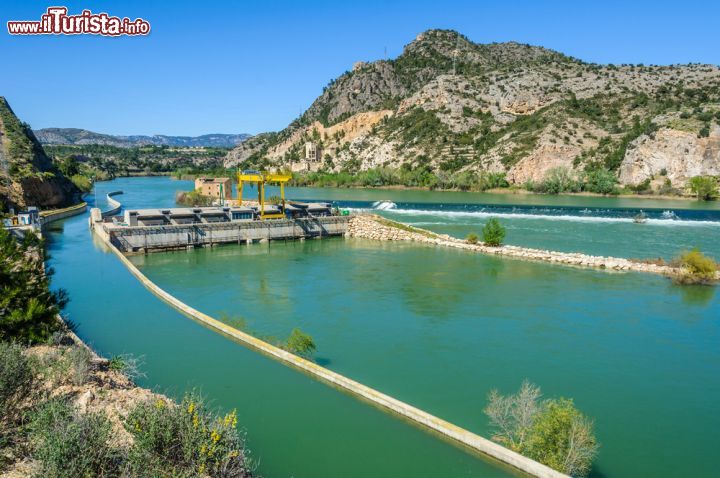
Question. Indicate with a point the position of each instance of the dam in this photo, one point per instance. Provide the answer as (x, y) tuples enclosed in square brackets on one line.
[(148, 230)]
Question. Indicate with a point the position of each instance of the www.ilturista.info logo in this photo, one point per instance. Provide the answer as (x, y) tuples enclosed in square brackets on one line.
[(57, 22)]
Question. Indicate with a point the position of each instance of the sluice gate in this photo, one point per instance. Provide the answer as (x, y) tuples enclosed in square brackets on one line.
[(180, 236)]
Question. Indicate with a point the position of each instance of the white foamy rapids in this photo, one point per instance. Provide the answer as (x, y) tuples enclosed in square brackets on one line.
[(384, 205), (547, 217)]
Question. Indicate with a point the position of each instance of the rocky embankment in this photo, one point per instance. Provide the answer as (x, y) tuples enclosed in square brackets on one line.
[(371, 226)]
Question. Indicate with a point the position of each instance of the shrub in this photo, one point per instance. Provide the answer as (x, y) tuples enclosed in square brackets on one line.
[(184, 440), (493, 233), (69, 444), (472, 238), (300, 343), (697, 268), (28, 309), (128, 365), (562, 438), (559, 180), (601, 181), (704, 131), (552, 432), (643, 187), (704, 187), (83, 183), (16, 381), (79, 362)]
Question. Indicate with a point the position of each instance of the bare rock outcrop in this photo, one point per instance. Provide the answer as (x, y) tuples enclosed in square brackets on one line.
[(679, 155)]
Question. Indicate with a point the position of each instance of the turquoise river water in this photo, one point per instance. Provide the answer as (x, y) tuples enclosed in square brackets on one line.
[(434, 327)]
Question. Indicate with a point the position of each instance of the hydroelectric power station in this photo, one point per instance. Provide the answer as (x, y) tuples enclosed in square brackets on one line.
[(147, 230)]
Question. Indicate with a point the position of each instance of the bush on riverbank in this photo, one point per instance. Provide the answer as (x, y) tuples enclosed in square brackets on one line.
[(472, 238), (553, 432), (184, 440), (422, 177), (69, 444), (705, 188), (697, 268), (60, 406), (493, 233), (16, 381), (45, 422), (28, 309)]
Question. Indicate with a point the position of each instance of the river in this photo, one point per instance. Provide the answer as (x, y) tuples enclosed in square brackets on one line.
[(436, 328)]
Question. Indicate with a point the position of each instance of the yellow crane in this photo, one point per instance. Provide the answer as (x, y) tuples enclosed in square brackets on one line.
[(261, 179)]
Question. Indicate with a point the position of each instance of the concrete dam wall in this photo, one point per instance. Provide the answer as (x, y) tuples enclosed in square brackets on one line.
[(178, 236)]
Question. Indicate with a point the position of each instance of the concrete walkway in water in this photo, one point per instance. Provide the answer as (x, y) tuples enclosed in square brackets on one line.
[(386, 402)]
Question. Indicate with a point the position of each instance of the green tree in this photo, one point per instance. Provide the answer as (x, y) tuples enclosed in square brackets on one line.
[(553, 432), (28, 309), (493, 233), (601, 181), (562, 438), (300, 343), (704, 187)]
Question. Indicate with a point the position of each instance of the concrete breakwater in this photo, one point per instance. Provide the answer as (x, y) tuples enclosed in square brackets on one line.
[(115, 205), (375, 227), (417, 416), (56, 214)]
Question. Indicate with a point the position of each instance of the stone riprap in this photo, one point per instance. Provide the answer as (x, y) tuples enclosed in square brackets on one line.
[(371, 226)]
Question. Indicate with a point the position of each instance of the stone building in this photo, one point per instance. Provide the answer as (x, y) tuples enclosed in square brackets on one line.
[(214, 187), (313, 152)]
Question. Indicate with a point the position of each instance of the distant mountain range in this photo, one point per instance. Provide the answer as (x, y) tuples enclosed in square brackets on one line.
[(75, 136)]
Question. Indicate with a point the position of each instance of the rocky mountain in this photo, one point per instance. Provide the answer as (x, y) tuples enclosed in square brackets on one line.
[(74, 136), (448, 105), (28, 177)]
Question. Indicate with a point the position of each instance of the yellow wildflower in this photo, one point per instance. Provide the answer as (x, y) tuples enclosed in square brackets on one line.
[(230, 419), (191, 407)]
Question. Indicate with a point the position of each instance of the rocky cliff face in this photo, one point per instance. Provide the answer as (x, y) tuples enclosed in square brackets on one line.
[(28, 177), (451, 105), (673, 154)]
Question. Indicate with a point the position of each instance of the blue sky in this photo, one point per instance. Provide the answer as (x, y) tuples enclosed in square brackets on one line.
[(248, 67)]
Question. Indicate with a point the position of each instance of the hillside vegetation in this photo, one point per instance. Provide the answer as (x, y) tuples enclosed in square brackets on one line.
[(28, 177), (449, 107)]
